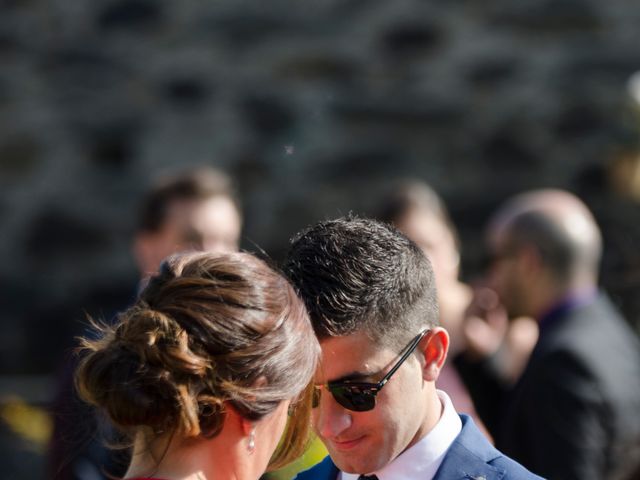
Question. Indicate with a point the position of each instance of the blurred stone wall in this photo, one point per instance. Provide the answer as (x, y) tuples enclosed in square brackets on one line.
[(313, 106)]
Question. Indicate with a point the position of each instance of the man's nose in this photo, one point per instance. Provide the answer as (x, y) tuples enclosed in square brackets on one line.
[(330, 418)]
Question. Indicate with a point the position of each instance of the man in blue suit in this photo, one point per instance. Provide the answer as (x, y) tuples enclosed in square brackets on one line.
[(371, 296)]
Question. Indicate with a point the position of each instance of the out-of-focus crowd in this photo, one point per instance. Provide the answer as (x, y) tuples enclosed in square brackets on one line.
[(195, 372)]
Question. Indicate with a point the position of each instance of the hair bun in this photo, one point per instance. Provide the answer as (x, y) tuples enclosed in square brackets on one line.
[(140, 373), (132, 391)]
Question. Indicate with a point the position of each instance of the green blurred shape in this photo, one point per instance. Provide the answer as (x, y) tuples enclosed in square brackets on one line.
[(314, 453)]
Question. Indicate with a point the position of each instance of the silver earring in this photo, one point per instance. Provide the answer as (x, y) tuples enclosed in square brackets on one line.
[(251, 446)]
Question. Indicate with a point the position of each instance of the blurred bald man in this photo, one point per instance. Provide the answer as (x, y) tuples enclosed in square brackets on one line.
[(576, 408)]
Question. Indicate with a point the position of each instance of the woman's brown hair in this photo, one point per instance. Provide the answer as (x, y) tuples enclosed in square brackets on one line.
[(208, 331)]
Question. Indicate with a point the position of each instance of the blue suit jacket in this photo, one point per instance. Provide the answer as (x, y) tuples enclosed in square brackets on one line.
[(470, 457)]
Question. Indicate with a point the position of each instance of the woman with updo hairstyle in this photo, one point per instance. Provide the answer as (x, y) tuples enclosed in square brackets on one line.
[(201, 371)]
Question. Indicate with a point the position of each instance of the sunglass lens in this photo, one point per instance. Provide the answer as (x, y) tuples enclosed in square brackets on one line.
[(354, 398)]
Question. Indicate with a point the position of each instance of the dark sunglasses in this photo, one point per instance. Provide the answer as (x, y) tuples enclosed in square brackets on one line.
[(361, 396)]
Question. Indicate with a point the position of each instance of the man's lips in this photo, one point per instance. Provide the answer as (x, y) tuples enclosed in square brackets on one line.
[(347, 444)]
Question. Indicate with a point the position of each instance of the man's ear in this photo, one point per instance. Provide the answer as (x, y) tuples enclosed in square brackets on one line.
[(143, 252), (530, 259), (434, 347)]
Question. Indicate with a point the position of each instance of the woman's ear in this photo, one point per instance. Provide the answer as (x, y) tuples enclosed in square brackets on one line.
[(247, 426), (248, 432), (434, 347), (233, 417)]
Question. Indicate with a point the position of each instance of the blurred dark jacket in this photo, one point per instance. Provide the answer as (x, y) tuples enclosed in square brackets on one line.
[(79, 447), (575, 411), (82, 439)]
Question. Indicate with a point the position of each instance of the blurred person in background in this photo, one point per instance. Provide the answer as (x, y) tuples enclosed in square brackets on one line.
[(573, 414), (371, 297), (418, 211), (195, 209), (201, 371)]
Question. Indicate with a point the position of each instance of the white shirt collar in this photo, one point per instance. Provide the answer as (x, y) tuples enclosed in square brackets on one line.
[(422, 460)]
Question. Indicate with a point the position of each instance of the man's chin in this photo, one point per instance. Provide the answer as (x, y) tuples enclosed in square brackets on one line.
[(354, 463), (349, 466)]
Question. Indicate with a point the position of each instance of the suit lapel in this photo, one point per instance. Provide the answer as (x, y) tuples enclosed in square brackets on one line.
[(458, 465), (325, 470), (468, 455), (329, 470)]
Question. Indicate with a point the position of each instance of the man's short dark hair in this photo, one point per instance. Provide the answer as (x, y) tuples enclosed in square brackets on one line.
[(190, 185), (356, 274)]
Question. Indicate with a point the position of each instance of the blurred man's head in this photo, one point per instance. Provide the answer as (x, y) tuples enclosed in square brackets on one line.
[(418, 211), (371, 297), (545, 245), (192, 210)]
